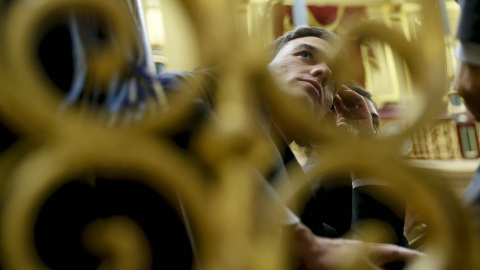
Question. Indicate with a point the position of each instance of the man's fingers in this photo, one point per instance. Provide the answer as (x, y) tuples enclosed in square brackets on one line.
[(350, 98), (352, 110), (338, 104), (382, 254), (353, 105)]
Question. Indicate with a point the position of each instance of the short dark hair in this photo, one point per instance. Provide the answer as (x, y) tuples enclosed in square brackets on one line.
[(303, 31)]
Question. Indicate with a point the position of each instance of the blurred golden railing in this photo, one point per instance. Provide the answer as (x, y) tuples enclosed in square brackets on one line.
[(53, 147)]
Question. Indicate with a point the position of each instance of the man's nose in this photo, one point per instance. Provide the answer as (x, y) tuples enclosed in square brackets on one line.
[(322, 72)]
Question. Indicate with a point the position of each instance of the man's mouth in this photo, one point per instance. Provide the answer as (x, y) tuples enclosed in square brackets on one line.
[(315, 85)]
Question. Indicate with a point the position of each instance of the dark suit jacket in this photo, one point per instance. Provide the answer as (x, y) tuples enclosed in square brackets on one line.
[(345, 208), (469, 24)]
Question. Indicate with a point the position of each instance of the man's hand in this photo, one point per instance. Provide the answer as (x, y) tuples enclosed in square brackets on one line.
[(352, 111), (467, 83), (313, 252)]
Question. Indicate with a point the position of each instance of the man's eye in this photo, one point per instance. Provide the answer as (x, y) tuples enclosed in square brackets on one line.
[(305, 54)]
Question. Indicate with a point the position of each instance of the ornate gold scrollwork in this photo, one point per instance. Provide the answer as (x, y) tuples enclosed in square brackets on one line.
[(232, 145)]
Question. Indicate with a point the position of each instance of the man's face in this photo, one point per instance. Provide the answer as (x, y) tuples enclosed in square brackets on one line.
[(301, 68)]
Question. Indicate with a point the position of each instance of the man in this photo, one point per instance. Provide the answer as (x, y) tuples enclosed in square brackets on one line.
[(467, 79), (300, 64)]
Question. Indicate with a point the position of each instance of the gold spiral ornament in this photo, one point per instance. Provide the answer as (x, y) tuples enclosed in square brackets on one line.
[(233, 147), (147, 160)]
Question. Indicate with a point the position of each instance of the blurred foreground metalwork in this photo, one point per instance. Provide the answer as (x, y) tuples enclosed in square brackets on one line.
[(52, 146)]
